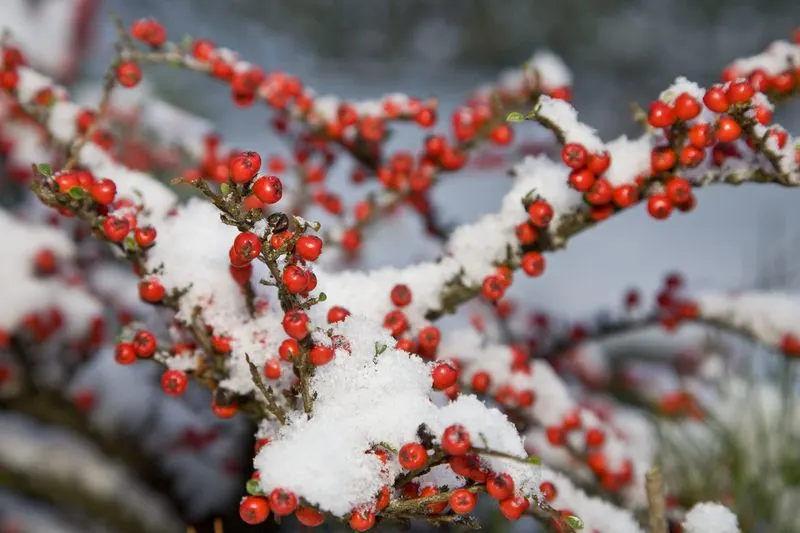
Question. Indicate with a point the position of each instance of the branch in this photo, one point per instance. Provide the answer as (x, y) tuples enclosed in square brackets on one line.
[(656, 511)]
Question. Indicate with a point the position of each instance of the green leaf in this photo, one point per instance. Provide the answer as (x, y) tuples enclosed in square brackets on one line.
[(130, 244), (253, 488), (379, 348), (45, 169), (534, 460), (225, 189), (515, 116), (574, 522), (322, 297), (77, 192)]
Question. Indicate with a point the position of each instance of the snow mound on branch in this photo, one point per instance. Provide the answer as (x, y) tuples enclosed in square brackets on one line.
[(365, 399), (710, 518), (766, 315)]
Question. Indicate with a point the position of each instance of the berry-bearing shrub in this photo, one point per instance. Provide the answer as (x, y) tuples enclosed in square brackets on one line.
[(367, 411)]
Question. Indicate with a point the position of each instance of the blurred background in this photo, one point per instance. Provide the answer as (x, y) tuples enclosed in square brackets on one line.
[(620, 52)]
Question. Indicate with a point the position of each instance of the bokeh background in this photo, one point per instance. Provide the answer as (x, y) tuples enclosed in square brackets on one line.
[(620, 52)]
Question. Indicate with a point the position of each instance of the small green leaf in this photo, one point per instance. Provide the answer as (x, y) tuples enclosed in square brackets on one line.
[(253, 487), (379, 348), (225, 189), (45, 169), (515, 116), (574, 522), (534, 460), (322, 297), (77, 192), (130, 244)]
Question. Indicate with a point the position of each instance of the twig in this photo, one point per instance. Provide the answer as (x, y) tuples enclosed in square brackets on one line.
[(272, 404), (656, 513)]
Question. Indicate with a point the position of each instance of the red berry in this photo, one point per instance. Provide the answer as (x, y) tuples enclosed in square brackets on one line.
[(625, 195), (295, 279), (425, 117), (502, 134), (595, 437), (254, 510), (548, 491), (129, 74), (599, 163), (760, 80), (103, 191), (463, 501), (513, 508), (581, 180), (412, 456), (337, 314), (600, 193), (289, 349), (223, 411), (149, 32), (242, 170), (309, 517), (396, 322), (541, 213), (455, 440), (268, 189), (659, 206), (309, 247), (174, 382), (493, 287), (429, 338), (272, 368), (728, 130), (282, 502), (202, 49), (687, 107), (661, 115), (740, 92), (145, 236), (701, 135), (526, 233), (691, 156), (125, 353), (295, 324), (533, 264), (480, 382), (246, 246), (221, 344), (362, 519), (662, 159), (574, 155), (500, 487), (320, 355), (678, 190), (401, 295), (555, 435), (145, 344), (716, 100), (151, 291), (443, 375), (116, 229)]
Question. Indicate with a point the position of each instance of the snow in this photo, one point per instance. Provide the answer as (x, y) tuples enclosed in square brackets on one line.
[(31, 294), (565, 118), (766, 315), (364, 400), (777, 58), (43, 32), (710, 518)]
